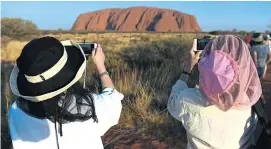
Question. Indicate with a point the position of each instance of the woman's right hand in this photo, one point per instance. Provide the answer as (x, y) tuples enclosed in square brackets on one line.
[(99, 58), (192, 58)]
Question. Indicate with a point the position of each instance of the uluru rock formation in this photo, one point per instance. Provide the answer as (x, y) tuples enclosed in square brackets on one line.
[(137, 19)]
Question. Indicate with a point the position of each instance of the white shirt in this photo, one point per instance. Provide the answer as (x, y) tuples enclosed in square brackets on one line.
[(31, 133), (208, 127)]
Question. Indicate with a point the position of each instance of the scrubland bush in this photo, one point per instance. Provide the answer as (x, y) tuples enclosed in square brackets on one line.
[(17, 28)]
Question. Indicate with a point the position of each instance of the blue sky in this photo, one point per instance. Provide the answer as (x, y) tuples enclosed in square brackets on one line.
[(210, 15)]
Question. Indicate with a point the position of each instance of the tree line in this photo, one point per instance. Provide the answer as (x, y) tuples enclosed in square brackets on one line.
[(17, 28)]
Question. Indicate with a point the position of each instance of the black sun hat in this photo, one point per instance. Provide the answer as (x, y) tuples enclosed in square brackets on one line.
[(46, 68), (257, 37)]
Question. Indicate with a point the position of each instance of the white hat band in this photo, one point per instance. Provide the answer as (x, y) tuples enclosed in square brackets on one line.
[(50, 72)]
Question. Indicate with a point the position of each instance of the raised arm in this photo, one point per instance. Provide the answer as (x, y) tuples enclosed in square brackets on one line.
[(192, 60), (108, 102), (98, 58)]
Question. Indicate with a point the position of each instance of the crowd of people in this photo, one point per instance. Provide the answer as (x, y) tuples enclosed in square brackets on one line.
[(54, 110)]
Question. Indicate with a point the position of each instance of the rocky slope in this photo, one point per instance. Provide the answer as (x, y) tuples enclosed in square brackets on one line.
[(137, 19)]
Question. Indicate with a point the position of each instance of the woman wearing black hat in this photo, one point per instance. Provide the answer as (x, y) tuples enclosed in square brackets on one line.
[(53, 110)]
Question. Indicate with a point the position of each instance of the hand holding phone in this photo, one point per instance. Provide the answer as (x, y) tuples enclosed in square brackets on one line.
[(193, 57), (98, 58), (201, 43), (88, 47)]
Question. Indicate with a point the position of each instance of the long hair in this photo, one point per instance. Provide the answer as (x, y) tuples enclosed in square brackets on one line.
[(76, 104)]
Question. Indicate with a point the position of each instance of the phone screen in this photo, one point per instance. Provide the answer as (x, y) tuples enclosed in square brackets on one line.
[(88, 47), (201, 43)]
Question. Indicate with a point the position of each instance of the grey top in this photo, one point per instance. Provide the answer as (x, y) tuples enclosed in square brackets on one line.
[(262, 54)]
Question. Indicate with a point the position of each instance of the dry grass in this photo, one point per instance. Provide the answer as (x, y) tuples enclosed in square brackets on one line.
[(12, 50), (143, 67)]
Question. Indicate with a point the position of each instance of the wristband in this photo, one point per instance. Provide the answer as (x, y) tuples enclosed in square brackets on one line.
[(104, 73), (184, 72)]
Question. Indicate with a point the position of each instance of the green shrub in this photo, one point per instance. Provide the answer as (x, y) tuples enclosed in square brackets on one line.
[(156, 52), (17, 28)]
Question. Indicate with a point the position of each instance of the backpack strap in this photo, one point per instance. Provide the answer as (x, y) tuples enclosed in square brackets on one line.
[(259, 110)]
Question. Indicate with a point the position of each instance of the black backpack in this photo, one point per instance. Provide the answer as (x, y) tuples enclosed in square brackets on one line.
[(262, 135)]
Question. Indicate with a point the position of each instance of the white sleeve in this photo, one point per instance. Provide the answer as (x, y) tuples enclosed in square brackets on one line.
[(175, 102), (108, 108), (178, 86)]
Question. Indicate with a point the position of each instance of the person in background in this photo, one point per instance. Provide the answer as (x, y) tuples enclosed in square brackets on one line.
[(53, 110), (218, 114), (261, 53), (248, 38), (248, 41), (267, 40)]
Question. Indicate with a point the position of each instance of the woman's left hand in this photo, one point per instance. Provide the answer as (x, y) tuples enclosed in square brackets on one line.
[(192, 58)]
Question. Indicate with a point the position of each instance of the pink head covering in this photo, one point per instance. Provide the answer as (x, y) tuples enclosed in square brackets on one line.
[(228, 76)]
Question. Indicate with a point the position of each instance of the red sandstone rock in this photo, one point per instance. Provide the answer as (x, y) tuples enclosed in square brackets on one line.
[(137, 19)]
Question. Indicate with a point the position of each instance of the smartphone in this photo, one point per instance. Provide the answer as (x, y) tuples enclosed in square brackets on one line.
[(201, 43), (88, 47)]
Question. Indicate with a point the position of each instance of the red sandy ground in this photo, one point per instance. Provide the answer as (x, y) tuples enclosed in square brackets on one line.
[(131, 141)]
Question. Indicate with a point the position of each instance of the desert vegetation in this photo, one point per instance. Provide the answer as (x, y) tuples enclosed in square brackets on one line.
[(17, 28), (143, 67)]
